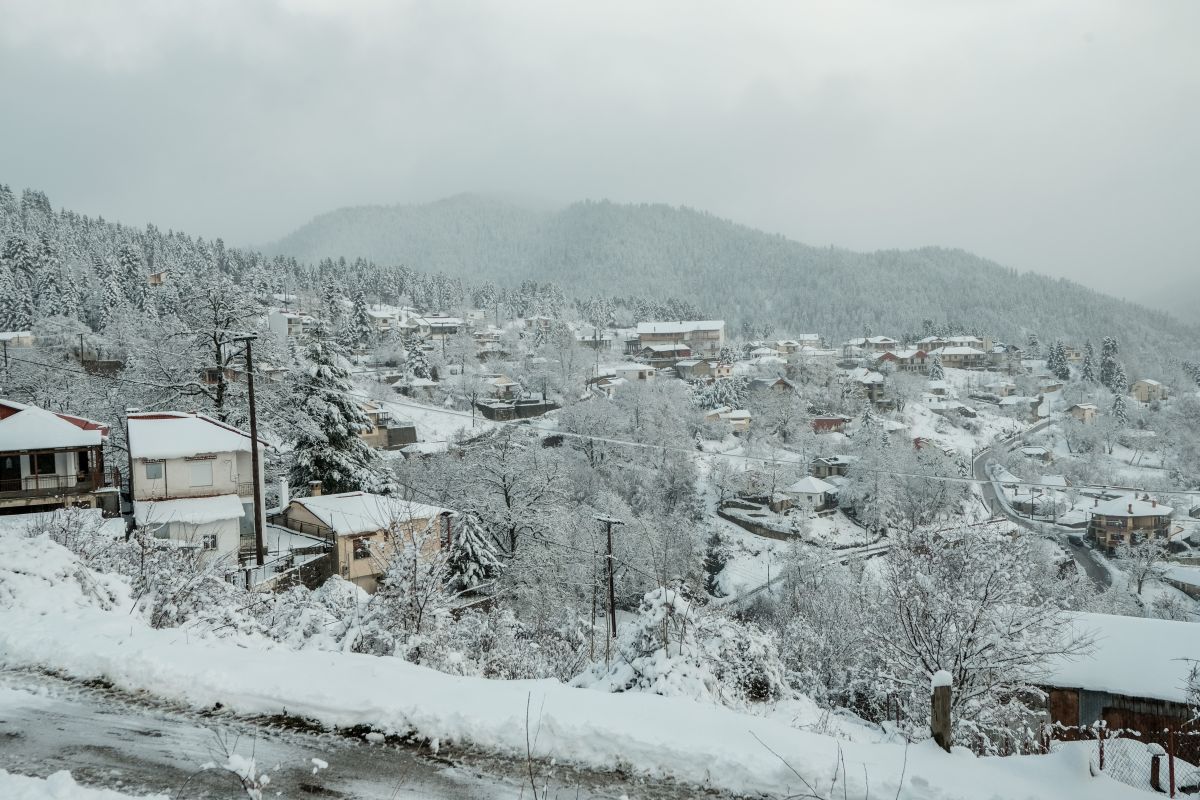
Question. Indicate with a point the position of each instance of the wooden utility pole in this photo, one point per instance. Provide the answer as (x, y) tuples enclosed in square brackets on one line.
[(612, 595), (259, 547), (939, 720)]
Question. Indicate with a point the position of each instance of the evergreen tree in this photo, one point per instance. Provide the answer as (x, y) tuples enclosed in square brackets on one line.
[(1056, 362), (1119, 383), (112, 302), (328, 448), (1032, 347), (1108, 360), (360, 321), (714, 562), (1120, 411), (416, 363), (472, 560), (1087, 371), (936, 371)]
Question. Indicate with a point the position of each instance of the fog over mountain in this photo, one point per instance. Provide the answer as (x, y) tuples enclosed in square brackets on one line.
[(730, 270)]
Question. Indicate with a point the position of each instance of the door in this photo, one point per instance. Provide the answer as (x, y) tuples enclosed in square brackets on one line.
[(10, 473)]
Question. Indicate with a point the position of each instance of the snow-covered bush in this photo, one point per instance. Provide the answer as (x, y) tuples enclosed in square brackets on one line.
[(676, 648)]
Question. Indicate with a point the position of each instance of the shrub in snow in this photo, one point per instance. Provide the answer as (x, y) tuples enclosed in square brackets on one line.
[(674, 648)]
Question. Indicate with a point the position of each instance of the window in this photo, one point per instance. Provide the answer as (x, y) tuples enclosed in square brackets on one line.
[(44, 464), (154, 470), (202, 473), (209, 541), (362, 548)]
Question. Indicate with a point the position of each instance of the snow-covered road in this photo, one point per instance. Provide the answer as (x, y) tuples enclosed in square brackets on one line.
[(113, 740)]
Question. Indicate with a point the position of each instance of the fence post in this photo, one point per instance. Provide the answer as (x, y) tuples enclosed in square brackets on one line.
[(939, 719), (1171, 760), (1156, 756), (1100, 729)]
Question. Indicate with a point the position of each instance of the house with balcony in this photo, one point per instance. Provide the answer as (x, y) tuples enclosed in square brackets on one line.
[(705, 338), (290, 325), (366, 530), (386, 432), (191, 479), (665, 355), (865, 345), (1148, 390), (961, 357), (1127, 520), (50, 460)]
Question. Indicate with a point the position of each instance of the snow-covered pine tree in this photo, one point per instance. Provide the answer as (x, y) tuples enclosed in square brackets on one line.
[(1087, 371), (1118, 382), (1108, 360), (1057, 361), (1033, 347), (472, 560), (360, 321), (328, 448), (416, 363), (1120, 409), (714, 564), (936, 371)]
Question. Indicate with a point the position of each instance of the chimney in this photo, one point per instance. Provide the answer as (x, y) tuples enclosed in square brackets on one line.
[(1131, 509), (285, 493), (1097, 503), (1154, 504), (314, 488)]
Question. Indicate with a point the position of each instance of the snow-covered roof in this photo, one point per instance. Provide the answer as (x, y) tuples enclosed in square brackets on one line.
[(31, 428), (666, 348), (350, 513), (1058, 481), (1084, 407), (764, 351), (8, 336), (1133, 656), (1129, 506), (689, 362), (871, 340), (958, 351), (683, 326), (189, 510), (864, 375), (1148, 381), (174, 434), (939, 384), (910, 352), (809, 485)]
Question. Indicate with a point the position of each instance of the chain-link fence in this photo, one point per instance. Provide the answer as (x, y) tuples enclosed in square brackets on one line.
[(1156, 761)]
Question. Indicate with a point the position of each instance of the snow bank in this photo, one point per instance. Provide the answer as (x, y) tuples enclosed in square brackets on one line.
[(86, 636), (59, 786)]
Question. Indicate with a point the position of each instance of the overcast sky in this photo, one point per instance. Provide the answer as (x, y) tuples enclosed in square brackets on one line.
[(1056, 136)]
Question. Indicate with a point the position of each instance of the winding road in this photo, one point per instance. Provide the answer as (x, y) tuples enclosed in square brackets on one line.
[(1079, 551)]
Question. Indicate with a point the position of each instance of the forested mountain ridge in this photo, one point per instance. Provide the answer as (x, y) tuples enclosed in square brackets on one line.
[(733, 271)]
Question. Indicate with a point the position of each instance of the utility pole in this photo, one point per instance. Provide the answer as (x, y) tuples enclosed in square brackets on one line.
[(612, 595), (254, 465)]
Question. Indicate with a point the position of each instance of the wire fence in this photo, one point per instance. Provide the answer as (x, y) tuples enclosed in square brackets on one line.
[(1161, 761)]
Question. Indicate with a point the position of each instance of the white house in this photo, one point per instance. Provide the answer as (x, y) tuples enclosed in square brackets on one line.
[(289, 324), (191, 479), (810, 491)]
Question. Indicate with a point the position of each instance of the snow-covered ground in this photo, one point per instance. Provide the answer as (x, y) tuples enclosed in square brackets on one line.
[(48, 599), (59, 786)]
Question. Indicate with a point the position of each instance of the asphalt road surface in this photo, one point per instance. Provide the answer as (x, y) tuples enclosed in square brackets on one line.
[(1081, 553), (132, 744)]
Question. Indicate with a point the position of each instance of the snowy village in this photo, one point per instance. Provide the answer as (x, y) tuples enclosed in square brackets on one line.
[(478, 498)]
